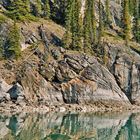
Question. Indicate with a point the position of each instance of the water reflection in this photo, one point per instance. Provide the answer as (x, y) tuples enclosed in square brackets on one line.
[(55, 126)]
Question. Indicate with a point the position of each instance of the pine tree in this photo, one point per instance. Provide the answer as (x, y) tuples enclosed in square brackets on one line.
[(1, 48), (67, 39), (99, 49), (75, 26), (89, 26), (13, 49), (46, 9), (18, 9), (137, 21), (126, 21), (36, 8), (93, 23), (72, 37), (132, 4), (108, 16), (68, 19)]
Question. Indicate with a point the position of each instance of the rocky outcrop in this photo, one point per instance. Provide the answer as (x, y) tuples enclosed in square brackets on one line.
[(4, 31), (124, 64), (16, 92), (3, 89), (49, 75), (94, 83), (13, 93), (73, 79), (69, 77)]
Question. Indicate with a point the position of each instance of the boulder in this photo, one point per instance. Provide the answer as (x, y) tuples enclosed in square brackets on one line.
[(4, 87), (56, 54), (64, 72), (124, 64), (48, 72), (16, 92), (94, 84)]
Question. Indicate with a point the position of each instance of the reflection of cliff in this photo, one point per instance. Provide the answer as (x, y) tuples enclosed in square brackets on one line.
[(99, 127), (69, 126), (131, 130)]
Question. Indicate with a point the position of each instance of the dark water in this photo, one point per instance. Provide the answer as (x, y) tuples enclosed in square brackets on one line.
[(55, 126)]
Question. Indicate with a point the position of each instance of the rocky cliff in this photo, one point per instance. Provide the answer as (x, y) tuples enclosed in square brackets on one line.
[(48, 75)]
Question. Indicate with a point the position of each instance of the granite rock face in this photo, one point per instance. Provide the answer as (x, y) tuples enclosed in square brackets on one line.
[(68, 77), (80, 79), (3, 89), (93, 84), (124, 64), (75, 79), (16, 92)]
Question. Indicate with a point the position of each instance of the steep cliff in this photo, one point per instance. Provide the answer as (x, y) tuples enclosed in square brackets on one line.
[(64, 77), (48, 75)]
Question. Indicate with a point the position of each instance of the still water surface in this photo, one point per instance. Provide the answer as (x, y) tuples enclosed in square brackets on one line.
[(57, 126)]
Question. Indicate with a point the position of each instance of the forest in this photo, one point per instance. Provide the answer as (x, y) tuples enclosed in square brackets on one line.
[(85, 21)]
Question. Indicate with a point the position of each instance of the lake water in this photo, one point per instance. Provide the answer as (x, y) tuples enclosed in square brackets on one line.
[(58, 126)]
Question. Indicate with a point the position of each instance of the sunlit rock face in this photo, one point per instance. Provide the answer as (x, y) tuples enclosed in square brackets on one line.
[(70, 126), (77, 79), (72, 78), (124, 64), (96, 82)]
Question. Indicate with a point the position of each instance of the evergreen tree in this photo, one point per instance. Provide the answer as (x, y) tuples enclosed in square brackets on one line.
[(132, 4), (72, 37), (99, 49), (136, 28), (1, 48), (13, 49), (36, 8), (68, 19), (108, 16), (89, 26), (18, 9), (75, 26), (46, 9), (94, 26), (126, 21), (93, 23), (67, 39)]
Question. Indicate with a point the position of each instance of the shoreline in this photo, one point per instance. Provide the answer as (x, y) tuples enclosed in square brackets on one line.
[(14, 109)]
